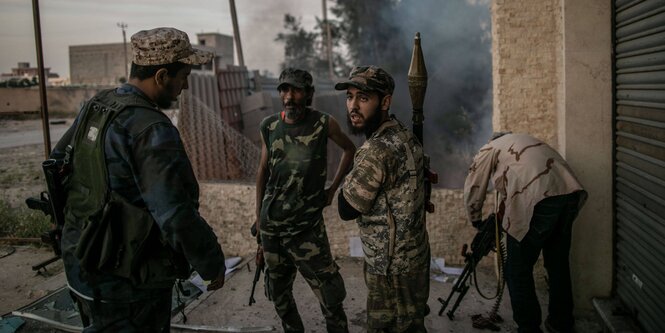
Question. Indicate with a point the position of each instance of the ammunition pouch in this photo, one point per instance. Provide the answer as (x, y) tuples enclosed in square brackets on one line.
[(124, 240)]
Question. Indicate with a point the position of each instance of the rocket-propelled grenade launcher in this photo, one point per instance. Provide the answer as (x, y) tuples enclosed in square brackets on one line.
[(417, 88)]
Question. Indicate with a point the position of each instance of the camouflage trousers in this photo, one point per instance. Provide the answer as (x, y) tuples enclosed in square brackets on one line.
[(151, 315), (309, 253), (397, 303)]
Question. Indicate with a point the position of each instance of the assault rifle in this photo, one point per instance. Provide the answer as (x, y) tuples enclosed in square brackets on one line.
[(52, 203), (482, 244), (260, 264)]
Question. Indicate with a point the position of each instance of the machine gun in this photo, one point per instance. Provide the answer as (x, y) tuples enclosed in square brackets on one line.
[(484, 241), (52, 203), (260, 264)]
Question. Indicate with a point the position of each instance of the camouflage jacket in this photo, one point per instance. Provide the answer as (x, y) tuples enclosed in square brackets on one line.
[(295, 191), (525, 171), (386, 187), (148, 166)]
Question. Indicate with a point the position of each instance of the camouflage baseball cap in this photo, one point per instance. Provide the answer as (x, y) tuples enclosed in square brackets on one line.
[(161, 46), (295, 77), (369, 78)]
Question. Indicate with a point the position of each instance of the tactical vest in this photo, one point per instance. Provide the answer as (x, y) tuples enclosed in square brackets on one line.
[(117, 237)]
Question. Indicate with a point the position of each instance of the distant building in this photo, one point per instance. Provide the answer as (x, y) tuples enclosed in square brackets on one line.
[(104, 64), (24, 70), (221, 45), (98, 64)]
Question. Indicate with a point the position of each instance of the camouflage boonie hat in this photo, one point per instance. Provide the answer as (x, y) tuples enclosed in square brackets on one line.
[(369, 78), (295, 77), (162, 46)]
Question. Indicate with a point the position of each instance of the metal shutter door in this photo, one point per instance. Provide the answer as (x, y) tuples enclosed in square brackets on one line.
[(640, 159)]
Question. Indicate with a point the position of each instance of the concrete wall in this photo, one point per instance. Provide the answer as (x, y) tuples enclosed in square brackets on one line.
[(552, 78), (60, 99), (585, 140), (526, 48), (230, 209)]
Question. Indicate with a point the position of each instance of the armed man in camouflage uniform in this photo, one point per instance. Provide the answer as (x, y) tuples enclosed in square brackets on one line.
[(384, 191), (132, 181), (540, 199), (290, 197)]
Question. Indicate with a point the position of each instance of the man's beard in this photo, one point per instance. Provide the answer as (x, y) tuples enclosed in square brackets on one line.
[(295, 111), (164, 99), (164, 103), (372, 123)]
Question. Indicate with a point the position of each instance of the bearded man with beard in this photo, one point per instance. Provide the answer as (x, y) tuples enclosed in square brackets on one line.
[(384, 193), (290, 197)]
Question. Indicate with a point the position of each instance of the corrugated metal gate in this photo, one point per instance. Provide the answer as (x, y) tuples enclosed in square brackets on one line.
[(233, 87), (216, 149), (640, 159)]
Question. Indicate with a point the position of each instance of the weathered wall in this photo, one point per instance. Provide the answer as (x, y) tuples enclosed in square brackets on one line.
[(526, 48), (585, 124), (230, 209), (60, 99)]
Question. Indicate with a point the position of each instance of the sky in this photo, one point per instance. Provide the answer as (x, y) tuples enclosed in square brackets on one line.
[(80, 22)]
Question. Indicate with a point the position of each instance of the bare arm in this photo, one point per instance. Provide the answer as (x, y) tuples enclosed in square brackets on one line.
[(343, 141), (261, 180)]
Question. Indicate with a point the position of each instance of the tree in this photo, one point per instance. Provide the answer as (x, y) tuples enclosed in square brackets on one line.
[(299, 46), (369, 32), (307, 49)]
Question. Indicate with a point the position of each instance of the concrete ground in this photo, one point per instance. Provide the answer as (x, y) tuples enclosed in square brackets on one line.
[(229, 307)]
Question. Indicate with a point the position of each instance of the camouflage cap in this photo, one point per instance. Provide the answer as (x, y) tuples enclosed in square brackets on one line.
[(369, 78), (161, 46), (295, 77)]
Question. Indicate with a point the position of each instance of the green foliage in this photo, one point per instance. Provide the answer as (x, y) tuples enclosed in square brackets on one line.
[(22, 222), (369, 32), (19, 82), (308, 49), (298, 45)]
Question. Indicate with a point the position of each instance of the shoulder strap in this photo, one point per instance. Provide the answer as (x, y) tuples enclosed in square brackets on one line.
[(410, 161), (89, 183)]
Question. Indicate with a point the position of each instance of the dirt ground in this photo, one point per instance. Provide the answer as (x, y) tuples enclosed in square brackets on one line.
[(20, 177), (228, 307), (19, 284)]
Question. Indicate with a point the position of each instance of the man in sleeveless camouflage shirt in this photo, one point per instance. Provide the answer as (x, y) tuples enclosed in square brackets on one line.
[(384, 191), (290, 197)]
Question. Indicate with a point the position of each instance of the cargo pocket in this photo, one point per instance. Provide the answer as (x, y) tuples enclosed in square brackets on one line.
[(97, 242), (131, 226), (331, 286)]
